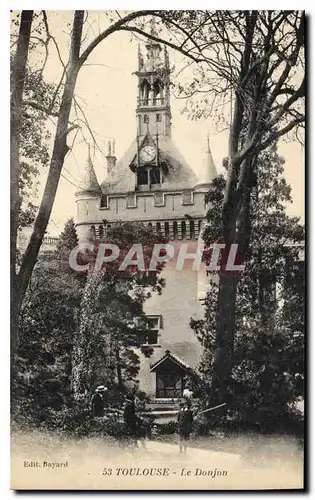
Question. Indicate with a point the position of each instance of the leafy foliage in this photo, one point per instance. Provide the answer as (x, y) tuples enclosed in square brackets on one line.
[(34, 143), (111, 302), (77, 325), (68, 240), (49, 318), (267, 374)]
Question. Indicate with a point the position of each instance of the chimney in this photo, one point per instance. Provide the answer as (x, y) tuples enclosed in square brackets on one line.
[(111, 158)]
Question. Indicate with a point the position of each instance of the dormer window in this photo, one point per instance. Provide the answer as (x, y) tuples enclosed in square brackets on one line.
[(155, 175), (149, 176), (142, 177)]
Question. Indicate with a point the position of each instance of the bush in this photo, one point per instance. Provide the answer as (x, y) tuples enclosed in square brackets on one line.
[(202, 426), (167, 428), (260, 420)]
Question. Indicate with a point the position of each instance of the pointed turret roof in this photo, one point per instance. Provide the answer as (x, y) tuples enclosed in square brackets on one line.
[(89, 182), (209, 171)]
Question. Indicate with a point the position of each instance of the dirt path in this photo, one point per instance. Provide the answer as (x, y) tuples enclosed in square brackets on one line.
[(48, 462)]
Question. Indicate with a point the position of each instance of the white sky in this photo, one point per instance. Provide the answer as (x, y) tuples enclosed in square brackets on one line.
[(107, 89)]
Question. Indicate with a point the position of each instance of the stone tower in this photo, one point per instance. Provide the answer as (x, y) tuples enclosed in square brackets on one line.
[(153, 184)]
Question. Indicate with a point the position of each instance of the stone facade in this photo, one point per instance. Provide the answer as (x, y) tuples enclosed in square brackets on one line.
[(153, 184)]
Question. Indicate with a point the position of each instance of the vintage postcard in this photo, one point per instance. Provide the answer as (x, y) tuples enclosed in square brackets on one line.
[(157, 250)]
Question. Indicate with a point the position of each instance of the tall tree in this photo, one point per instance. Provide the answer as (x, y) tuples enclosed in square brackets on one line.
[(268, 345), (17, 87), (255, 61)]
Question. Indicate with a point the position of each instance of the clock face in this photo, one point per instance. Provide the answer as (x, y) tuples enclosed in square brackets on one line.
[(147, 153)]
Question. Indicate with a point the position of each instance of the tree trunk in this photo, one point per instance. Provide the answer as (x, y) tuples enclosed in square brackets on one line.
[(17, 87), (237, 228), (59, 152), (225, 329)]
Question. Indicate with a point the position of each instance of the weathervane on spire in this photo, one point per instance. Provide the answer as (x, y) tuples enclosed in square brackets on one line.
[(208, 141), (140, 58)]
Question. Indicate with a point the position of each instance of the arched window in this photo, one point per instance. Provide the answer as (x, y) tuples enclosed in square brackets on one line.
[(167, 229), (192, 229), (184, 229), (101, 232), (158, 227), (144, 92), (150, 225), (158, 92), (175, 230)]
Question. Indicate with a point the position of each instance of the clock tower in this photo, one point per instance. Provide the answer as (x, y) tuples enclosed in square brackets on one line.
[(153, 101), (153, 114), (153, 185)]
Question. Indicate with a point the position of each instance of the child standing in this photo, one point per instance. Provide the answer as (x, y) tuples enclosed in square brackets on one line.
[(185, 423)]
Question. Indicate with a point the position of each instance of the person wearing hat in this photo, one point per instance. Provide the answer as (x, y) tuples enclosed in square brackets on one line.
[(130, 418), (185, 422), (98, 401)]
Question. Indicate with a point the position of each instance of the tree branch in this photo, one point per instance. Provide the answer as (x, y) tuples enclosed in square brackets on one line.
[(300, 92), (39, 107), (114, 27), (279, 133), (73, 127)]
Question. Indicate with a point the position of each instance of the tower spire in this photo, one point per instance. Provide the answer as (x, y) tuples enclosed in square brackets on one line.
[(209, 171), (140, 58), (152, 44), (89, 181), (111, 158), (166, 59), (153, 30)]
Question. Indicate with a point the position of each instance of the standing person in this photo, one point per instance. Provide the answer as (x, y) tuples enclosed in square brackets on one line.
[(142, 431), (98, 401), (185, 423), (142, 421), (130, 419)]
